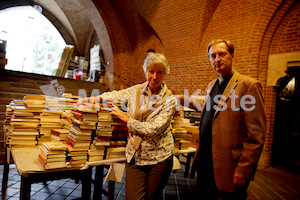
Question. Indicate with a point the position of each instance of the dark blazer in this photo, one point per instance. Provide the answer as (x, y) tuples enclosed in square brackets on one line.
[(238, 131)]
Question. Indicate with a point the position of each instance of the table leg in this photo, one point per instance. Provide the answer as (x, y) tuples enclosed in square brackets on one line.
[(86, 184), (25, 188), (5, 171), (111, 190), (98, 183), (5, 174), (187, 166)]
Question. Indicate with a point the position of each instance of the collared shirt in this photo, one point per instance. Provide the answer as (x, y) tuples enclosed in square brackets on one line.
[(157, 144), (205, 127), (222, 79)]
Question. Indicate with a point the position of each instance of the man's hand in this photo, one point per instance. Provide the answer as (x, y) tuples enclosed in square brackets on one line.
[(239, 180), (117, 112)]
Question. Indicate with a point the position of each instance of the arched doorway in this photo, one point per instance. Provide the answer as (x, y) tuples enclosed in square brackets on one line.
[(286, 141)]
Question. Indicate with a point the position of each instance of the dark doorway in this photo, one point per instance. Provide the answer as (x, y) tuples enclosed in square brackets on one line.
[(286, 143)]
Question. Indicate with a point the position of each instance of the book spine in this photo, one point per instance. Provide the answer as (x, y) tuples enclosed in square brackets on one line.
[(55, 132), (42, 161), (71, 141)]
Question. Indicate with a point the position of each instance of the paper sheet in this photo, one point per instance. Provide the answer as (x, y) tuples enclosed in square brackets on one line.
[(115, 172)]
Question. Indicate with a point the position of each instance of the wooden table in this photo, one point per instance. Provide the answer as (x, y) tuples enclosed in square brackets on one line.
[(100, 165), (31, 171), (99, 176), (188, 153)]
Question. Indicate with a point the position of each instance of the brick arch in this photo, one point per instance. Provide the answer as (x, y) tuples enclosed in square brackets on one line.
[(269, 36), (122, 34), (95, 14), (274, 29), (287, 36)]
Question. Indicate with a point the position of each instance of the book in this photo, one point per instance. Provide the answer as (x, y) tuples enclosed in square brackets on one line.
[(116, 150), (51, 165), (184, 144), (59, 132), (23, 142), (64, 61), (54, 146), (76, 144), (53, 158), (95, 158), (55, 153), (101, 141), (23, 137)]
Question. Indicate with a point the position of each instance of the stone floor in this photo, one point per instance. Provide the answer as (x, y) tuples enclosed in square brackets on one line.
[(178, 187), (269, 184)]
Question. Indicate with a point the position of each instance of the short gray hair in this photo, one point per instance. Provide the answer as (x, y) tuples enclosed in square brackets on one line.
[(156, 58)]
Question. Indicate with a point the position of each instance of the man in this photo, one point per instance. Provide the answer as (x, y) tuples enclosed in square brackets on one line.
[(232, 129)]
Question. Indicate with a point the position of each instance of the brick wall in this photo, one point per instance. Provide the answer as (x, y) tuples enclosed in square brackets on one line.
[(182, 29)]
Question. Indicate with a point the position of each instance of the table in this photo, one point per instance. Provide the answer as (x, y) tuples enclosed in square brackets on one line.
[(31, 171), (100, 165), (99, 175), (190, 151)]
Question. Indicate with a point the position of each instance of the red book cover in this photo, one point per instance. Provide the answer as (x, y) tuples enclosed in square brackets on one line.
[(58, 132), (69, 140), (42, 161)]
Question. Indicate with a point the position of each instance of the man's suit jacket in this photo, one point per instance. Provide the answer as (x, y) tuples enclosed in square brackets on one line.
[(238, 130)]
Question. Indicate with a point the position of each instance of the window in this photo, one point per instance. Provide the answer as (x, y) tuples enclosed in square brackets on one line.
[(33, 44)]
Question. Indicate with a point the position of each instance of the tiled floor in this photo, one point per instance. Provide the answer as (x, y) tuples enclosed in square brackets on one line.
[(177, 188), (269, 184)]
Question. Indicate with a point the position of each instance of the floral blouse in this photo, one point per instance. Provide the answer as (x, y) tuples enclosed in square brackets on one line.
[(157, 144)]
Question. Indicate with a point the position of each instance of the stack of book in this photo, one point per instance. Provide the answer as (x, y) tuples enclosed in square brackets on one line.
[(8, 114), (52, 155), (49, 119), (178, 134), (120, 132), (77, 143), (66, 119), (76, 157), (105, 120), (101, 141), (79, 139), (59, 135), (61, 103), (184, 144), (68, 95), (24, 127), (67, 103), (13, 105), (52, 103), (176, 122), (35, 103), (110, 128), (96, 152), (80, 135), (84, 117), (115, 152), (71, 96)]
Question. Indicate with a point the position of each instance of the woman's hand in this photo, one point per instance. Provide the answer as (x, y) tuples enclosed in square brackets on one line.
[(117, 112), (92, 100)]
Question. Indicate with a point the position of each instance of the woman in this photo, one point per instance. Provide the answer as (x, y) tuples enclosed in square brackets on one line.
[(150, 145)]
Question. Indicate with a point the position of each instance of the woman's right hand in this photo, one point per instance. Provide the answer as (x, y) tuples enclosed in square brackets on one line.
[(92, 100)]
